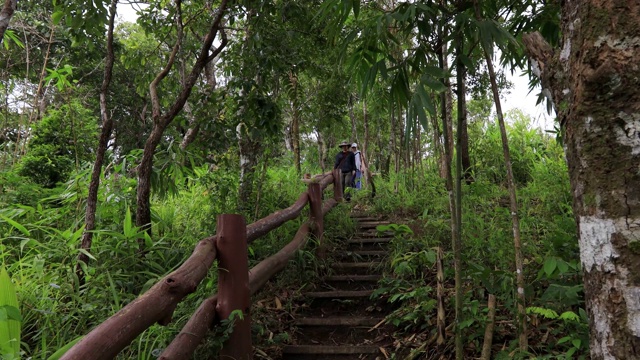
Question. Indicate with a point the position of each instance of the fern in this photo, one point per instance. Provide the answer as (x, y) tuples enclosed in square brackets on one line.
[(546, 313), (570, 316)]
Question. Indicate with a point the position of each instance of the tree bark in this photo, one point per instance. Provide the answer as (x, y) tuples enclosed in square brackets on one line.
[(103, 142), (594, 83), (249, 149), (6, 14)]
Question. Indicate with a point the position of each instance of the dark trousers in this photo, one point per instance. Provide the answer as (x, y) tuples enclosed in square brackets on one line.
[(346, 183)]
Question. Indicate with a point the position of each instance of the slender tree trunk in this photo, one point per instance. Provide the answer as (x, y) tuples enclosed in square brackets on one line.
[(295, 123), (513, 203), (365, 143), (593, 82), (352, 116), (103, 142), (162, 120), (322, 150), (457, 243), (249, 150), (462, 119)]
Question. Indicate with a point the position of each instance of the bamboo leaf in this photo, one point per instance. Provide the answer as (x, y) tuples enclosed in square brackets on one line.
[(16, 225), (58, 354), (10, 325)]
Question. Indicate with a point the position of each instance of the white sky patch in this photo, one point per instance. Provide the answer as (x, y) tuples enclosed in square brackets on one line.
[(595, 244)]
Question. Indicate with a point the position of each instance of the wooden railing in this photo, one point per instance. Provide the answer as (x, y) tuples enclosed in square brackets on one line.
[(236, 283)]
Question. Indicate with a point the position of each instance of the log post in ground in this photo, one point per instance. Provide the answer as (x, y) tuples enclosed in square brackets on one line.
[(337, 185), (233, 285), (315, 215)]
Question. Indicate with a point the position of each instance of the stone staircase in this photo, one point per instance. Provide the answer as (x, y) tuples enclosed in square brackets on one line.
[(339, 320)]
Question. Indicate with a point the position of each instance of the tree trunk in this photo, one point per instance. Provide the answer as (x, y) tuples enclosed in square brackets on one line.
[(352, 116), (295, 123), (593, 81), (249, 150), (457, 240), (322, 151), (513, 201), (462, 116), (103, 142), (162, 120), (5, 16), (365, 141)]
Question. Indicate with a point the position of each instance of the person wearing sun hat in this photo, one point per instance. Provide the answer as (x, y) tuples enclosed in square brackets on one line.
[(357, 179), (345, 161)]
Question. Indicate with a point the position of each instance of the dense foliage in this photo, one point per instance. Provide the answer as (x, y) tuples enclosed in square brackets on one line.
[(292, 80)]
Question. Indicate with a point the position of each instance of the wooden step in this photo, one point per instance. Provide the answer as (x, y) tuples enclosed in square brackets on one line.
[(364, 253), (371, 224), (353, 278), (339, 294), (329, 350), (356, 265), (370, 234), (369, 240), (339, 321)]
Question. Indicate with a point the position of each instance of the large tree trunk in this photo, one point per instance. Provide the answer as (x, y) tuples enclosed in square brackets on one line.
[(103, 142), (594, 83)]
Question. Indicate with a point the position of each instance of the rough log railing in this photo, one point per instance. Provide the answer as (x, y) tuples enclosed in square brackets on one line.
[(235, 283)]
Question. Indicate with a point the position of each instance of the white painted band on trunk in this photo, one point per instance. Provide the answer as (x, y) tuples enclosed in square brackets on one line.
[(632, 299), (596, 249)]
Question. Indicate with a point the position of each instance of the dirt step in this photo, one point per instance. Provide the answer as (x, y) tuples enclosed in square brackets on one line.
[(366, 321), (353, 278), (373, 234), (339, 294), (365, 253), (350, 282), (338, 335), (330, 350), (373, 240), (371, 224), (357, 268)]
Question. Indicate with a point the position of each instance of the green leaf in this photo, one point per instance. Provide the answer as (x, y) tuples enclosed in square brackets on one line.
[(576, 343), (10, 327), (56, 17), (127, 226), (87, 253), (563, 267), (58, 354), (356, 8), (550, 265), (16, 225)]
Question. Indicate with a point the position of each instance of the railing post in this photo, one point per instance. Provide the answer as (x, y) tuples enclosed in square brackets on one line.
[(337, 185), (315, 214), (233, 285)]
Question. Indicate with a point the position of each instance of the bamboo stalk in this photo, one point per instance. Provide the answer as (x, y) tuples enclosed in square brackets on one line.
[(488, 331)]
